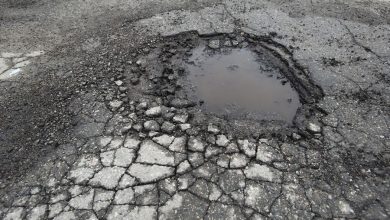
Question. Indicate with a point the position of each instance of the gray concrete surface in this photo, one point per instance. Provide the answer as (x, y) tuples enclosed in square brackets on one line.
[(83, 134)]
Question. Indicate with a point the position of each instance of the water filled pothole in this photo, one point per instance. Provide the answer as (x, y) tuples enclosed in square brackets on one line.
[(238, 83), (239, 80)]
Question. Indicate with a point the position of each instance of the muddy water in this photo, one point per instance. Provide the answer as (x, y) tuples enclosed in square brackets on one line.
[(238, 83)]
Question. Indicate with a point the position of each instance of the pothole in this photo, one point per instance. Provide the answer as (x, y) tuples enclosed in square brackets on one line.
[(239, 83), (243, 80)]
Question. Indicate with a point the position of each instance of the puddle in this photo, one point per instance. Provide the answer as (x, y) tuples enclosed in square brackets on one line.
[(239, 83)]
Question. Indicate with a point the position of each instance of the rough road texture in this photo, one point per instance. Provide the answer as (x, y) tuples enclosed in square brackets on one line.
[(92, 128)]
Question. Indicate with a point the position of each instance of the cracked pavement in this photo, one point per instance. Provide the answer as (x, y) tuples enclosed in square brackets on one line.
[(93, 125)]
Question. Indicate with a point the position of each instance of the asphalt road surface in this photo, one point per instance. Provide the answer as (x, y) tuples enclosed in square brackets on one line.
[(96, 121)]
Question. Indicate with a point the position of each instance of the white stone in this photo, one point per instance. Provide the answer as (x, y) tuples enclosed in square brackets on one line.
[(249, 148), (253, 193), (184, 127), (107, 158), (51, 182), (123, 157), (164, 140), (151, 152), (179, 144), (35, 190), (132, 143), (116, 104), (180, 118), (104, 141), (168, 126), (149, 173), (138, 62), (119, 82), (213, 129), (263, 141), (238, 161), (232, 148), (215, 193), (263, 153), (204, 172), (151, 125), (154, 111), (183, 167), (115, 143), (153, 133), (222, 140), (142, 105), (196, 145), (126, 181), (212, 151), (75, 190), (183, 183), (196, 159), (259, 172), (296, 136), (314, 128), (169, 186), (223, 162)]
